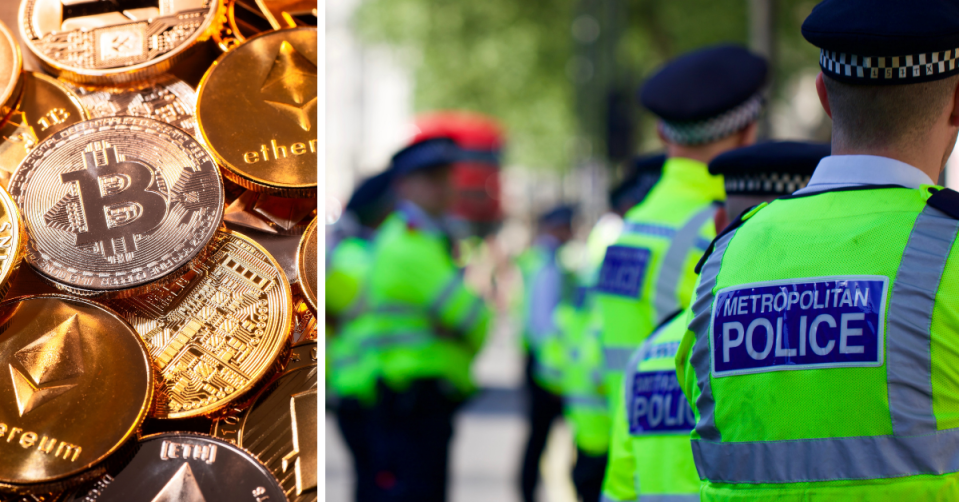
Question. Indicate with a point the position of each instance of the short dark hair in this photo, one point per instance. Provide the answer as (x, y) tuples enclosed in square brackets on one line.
[(882, 115)]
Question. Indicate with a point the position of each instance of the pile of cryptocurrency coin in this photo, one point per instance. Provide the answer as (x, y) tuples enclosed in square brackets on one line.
[(158, 251)]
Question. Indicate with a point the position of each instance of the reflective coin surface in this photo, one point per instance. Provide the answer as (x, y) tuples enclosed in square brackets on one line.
[(104, 41), (166, 98), (304, 319), (218, 330), (279, 428), (288, 13), (13, 238), (307, 261), (269, 213), (11, 62), (117, 206), (184, 467), (77, 384), (46, 106), (262, 127)]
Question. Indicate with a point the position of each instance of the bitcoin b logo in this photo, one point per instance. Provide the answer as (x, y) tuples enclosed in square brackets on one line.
[(115, 201)]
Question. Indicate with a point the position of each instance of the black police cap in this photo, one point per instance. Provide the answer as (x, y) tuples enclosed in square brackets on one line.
[(372, 191), (558, 216), (704, 83), (426, 154), (881, 42), (642, 174), (773, 168)]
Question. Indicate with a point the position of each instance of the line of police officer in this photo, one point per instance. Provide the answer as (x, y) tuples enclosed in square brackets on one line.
[(773, 321)]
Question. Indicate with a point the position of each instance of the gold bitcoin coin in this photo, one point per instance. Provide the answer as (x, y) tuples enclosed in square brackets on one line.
[(76, 385), (117, 206), (218, 330), (307, 263), (11, 63), (279, 428), (102, 42), (262, 127), (46, 106), (165, 98)]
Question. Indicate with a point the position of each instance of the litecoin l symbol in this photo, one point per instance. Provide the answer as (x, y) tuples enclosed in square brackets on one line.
[(303, 456), (116, 202)]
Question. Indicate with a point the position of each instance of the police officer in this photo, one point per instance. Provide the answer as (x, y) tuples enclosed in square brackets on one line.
[(840, 382), (584, 396), (351, 370), (429, 324), (546, 285), (707, 103), (650, 458)]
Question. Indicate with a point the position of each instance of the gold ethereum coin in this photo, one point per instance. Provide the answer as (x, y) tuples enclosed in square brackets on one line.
[(279, 428), (117, 206), (102, 42), (306, 261), (77, 383), (11, 62), (216, 332), (262, 127), (46, 106)]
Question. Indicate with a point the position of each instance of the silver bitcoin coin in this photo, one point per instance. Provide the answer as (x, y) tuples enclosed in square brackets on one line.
[(117, 206)]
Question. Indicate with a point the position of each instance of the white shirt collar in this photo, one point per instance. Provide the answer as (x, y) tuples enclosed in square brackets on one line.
[(841, 171)]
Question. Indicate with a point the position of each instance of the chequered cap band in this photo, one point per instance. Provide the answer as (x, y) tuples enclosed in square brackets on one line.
[(715, 128), (766, 183), (892, 70)]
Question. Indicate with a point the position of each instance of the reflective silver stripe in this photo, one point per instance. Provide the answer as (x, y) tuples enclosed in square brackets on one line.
[(585, 401), (607, 498), (344, 362), (397, 308), (617, 358), (381, 341), (466, 324), (445, 294), (702, 306), (671, 270), (686, 497), (803, 460), (909, 364), (649, 229), (359, 306)]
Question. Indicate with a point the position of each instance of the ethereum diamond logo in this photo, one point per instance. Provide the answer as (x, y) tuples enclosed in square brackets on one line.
[(181, 487), (52, 363), (290, 86)]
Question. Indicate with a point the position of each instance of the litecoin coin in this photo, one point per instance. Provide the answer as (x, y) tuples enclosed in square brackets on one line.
[(307, 261), (101, 42), (117, 206), (79, 384), (218, 330), (276, 152), (46, 106), (279, 428), (11, 62), (183, 467), (166, 98)]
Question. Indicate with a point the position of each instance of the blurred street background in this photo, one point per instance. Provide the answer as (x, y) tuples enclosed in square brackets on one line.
[(560, 76)]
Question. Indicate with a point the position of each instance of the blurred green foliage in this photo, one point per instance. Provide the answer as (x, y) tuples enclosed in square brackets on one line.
[(514, 59)]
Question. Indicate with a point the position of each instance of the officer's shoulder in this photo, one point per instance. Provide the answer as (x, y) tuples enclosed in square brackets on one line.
[(735, 224)]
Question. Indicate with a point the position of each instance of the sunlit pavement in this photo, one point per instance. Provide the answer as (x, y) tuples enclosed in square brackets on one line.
[(488, 441)]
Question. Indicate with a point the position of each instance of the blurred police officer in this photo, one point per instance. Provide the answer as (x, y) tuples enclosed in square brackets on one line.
[(545, 285), (584, 397), (352, 369), (430, 326), (707, 102), (650, 457), (840, 382)]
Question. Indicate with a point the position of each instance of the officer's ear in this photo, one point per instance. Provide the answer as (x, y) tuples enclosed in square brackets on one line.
[(823, 97), (721, 219), (954, 115)]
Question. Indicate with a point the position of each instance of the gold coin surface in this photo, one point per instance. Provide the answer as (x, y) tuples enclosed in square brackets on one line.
[(268, 213), (99, 42), (307, 263), (279, 428), (262, 128), (117, 206), (13, 240), (304, 319), (46, 106), (218, 330), (11, 63), (78, 382), (165, 98)]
